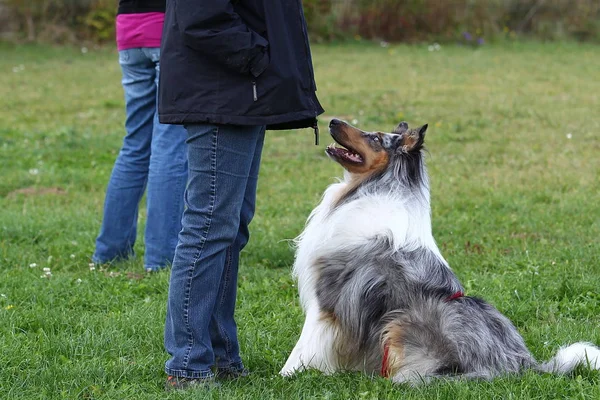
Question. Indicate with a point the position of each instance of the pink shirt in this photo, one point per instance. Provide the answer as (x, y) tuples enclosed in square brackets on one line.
[(139, 30)]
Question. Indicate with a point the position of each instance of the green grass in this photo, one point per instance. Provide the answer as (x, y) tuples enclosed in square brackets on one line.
[(514, 145)]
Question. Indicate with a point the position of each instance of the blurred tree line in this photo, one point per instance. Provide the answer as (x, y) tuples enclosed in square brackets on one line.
[(58, 21), (67, 21)]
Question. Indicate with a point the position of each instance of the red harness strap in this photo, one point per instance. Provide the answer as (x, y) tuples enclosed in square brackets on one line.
[(455, 296), (384, 364), (385, 372)]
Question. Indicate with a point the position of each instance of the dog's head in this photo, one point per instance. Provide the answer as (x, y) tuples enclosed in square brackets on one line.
[(371, 152)]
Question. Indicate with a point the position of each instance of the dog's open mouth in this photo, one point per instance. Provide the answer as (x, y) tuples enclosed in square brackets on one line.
[(347, 155)]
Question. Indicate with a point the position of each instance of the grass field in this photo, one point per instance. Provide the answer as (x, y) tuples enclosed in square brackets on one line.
[(514, 144)]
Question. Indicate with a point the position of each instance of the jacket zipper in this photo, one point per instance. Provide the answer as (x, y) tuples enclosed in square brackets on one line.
[(306, 46), (254, 91), (313, 85)]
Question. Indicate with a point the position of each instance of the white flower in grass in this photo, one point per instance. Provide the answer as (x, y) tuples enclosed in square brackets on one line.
[(92, 266), (354, 121), (72, 256), (84, 50), (2, 295), (46, 269), (569, 135), (32, 265), (34, 171), (434, 47), (78, 281)]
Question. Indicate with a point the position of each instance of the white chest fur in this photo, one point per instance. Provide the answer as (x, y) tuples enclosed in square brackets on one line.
[(331, 228)]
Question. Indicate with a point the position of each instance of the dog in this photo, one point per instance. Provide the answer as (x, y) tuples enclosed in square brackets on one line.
[(377, 294)]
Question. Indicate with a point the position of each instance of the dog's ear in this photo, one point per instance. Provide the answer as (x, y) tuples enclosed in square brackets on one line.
[(401, 128), (422, 131), (412, 139)]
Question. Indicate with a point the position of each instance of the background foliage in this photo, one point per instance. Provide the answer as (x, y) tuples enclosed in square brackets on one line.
[(389, 20), (58, 21), (417, 20)]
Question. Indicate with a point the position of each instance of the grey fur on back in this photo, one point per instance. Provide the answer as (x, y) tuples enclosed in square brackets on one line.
[(369, 288)]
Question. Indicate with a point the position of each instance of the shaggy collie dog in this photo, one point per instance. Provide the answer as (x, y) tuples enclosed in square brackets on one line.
[(378, 295)]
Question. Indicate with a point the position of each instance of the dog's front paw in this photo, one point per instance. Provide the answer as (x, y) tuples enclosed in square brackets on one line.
[(292, 367), (287, 372)]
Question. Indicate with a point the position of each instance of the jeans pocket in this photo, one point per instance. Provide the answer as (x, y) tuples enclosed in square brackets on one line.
[(124, 56), (154, 54)]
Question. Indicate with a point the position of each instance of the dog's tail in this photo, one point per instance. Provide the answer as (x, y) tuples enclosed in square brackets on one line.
[(569, 357)]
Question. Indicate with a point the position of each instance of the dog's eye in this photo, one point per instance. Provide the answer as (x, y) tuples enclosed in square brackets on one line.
[(375, 138)]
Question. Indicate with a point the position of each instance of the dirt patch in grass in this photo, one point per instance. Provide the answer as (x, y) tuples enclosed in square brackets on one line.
[(37, 191)]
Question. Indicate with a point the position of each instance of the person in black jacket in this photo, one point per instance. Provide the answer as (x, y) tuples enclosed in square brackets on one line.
[(229, 70)]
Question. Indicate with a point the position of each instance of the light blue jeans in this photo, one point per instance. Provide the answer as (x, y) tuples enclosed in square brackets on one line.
[(153, 157), (200, 331)]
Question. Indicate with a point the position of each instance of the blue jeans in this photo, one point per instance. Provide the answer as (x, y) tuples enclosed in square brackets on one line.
[(200, 330), (153, 156)]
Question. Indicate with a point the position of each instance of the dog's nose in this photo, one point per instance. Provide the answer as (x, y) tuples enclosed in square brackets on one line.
[(335, 122)]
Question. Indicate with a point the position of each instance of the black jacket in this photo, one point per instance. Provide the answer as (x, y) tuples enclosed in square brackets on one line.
[(239, 62), (140, 6)]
